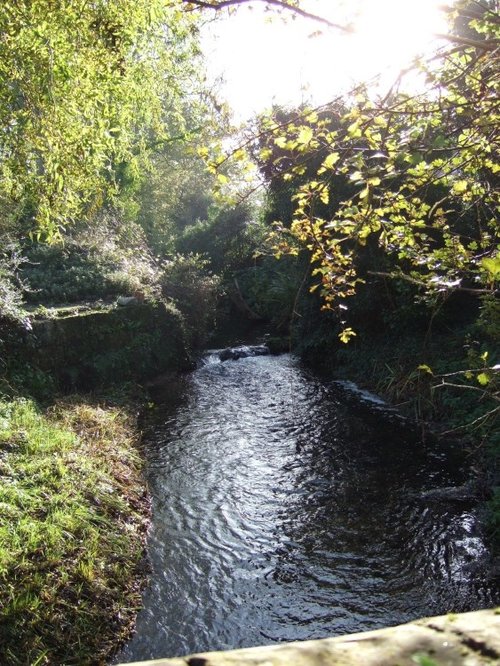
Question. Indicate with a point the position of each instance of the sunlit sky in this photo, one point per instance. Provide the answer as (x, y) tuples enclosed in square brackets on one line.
[(265, 61)]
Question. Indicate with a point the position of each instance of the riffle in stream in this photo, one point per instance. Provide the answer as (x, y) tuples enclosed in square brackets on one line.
[(280, 512)]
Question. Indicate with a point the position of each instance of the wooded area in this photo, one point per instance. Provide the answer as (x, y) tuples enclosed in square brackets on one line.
[(364, 232)]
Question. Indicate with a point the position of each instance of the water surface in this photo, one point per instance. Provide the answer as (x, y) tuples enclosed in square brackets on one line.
[(280, 513)]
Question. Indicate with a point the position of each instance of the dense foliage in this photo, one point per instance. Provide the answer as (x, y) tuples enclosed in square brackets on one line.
[(405, 189), (82, 88), (424, 171)]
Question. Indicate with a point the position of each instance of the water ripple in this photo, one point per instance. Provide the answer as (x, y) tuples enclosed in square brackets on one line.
[(281, 514)]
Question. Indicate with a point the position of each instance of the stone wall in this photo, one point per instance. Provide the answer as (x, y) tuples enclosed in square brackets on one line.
[(469, 639), (90, 349)]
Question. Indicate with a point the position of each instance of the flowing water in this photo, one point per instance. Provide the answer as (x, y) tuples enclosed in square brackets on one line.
[(282, 513)]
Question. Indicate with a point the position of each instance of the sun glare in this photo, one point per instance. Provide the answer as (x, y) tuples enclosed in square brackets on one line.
[(266, 61), (389, 33)]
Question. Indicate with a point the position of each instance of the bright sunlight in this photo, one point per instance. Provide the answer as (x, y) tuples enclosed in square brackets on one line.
[(265, 60)]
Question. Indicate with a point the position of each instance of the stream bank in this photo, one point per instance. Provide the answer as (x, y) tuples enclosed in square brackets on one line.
[(73, 498), (75, 514)]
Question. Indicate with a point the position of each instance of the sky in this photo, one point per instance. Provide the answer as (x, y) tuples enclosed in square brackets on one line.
[(265, 61)]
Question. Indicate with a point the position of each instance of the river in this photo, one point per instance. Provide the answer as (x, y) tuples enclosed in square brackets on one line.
[(282, 512)]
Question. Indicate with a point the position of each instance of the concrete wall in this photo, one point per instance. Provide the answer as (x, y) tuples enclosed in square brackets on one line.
[(90, 349), (469, 639)]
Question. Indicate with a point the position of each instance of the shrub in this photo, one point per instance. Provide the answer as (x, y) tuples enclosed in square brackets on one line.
[(98, 261), (187, 281), (228, 238), (11, 296), (271, 289)]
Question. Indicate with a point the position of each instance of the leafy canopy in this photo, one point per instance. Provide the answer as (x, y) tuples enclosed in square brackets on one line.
[(84, 86), (423, 168)]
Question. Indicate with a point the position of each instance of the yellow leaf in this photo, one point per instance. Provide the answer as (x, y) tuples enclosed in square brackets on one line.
[(483, 379), (459, 186), (346, 335), (239, 154), (324, 196), (330, 160)]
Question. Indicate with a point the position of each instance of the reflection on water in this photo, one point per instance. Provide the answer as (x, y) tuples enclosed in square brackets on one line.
[(282, 514)]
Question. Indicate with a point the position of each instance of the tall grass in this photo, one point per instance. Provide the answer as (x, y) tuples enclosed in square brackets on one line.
[(73, 517)]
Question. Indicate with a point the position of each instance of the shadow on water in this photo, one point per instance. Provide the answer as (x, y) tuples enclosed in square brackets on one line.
[(282, 513)]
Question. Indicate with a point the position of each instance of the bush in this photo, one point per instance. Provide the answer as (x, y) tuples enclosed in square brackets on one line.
[(11, 292), (100, 261), (228, 239), (187, 281), (271, 289)]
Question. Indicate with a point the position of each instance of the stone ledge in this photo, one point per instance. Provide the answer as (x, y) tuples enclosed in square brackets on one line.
[(469, 639)]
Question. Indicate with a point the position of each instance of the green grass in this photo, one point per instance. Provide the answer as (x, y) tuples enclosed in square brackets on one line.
[(73, 518)]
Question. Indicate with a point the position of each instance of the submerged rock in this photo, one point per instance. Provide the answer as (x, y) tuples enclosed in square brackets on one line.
[(467, 492)]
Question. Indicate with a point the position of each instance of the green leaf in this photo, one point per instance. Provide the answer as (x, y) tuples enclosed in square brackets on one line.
[(423, 660), (305, 135), (425, 368), (492, 266), (460, 186), (483, 379), (331, 160), (354, 130)]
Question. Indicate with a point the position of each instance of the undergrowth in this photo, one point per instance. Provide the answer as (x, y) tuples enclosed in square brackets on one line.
[(72, 527)]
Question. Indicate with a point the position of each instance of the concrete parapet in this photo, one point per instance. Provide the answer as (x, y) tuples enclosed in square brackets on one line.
[(468, 639)]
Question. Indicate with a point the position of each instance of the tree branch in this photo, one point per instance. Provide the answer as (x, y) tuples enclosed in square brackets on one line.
[(484, 45), (477, 421), (281, 4), (467, 387), (421, 283)]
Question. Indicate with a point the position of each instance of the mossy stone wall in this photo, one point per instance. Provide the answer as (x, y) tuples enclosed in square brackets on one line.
[(97, 348)]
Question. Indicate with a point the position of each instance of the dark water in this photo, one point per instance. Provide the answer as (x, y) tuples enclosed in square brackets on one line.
[(282, 514)]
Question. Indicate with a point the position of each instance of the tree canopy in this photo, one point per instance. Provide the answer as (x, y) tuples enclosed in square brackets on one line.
[(83, 89), (424, 167)]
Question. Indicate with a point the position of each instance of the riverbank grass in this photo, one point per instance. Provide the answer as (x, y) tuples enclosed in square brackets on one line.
[(73, 518)]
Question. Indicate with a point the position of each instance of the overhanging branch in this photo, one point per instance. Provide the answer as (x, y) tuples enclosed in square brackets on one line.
[(217, 5), (422, 283)]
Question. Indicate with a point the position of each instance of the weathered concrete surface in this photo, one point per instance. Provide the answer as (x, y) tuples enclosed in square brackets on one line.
[(469, 639)]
